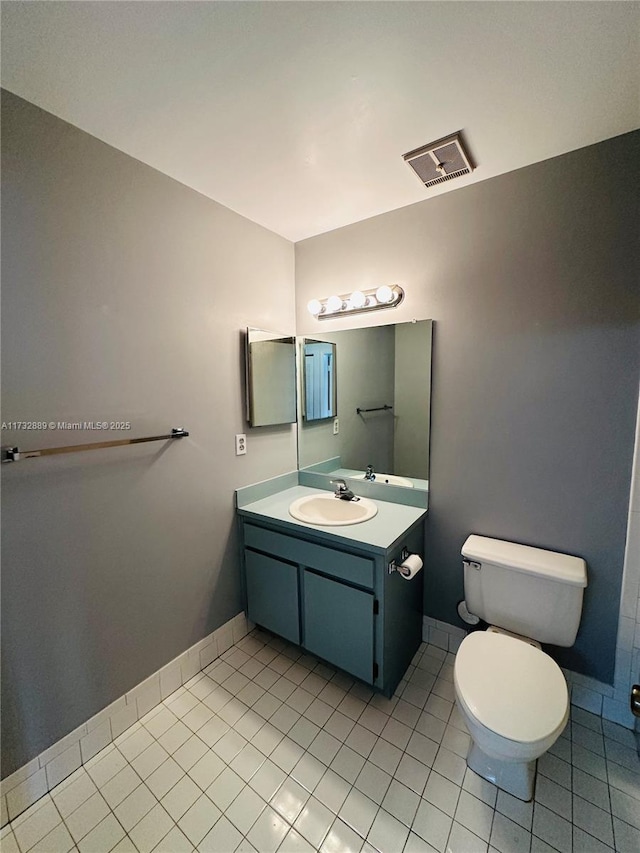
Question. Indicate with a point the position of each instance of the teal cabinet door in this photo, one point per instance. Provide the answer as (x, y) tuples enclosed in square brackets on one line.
[(272, 595), (338, 624)]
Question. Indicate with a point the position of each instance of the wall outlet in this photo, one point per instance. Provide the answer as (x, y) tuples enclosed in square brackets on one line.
[(241, 444), (336, 426)]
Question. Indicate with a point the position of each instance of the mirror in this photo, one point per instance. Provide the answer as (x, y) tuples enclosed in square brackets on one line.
[(382, 386), (271, 378), (318, 380)]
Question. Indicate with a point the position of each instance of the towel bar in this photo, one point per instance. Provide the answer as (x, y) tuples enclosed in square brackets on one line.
[(14, 454)]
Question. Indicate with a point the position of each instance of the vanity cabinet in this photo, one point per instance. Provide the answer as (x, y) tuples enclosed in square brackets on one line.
[(334, 598)]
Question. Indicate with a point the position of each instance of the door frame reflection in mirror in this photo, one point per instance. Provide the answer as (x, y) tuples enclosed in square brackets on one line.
[(270, 378), (319, 384), (322, 451)]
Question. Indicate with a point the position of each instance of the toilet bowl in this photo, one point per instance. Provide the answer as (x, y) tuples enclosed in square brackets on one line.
[(514, 700)]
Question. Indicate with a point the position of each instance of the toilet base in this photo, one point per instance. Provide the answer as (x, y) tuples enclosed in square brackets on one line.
[(515, 777)]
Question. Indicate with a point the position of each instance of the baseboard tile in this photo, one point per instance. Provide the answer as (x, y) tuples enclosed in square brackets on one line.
[(32, 781)]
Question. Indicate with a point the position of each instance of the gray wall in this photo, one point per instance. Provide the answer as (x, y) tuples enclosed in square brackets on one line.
[(532, 281), (124, 293)]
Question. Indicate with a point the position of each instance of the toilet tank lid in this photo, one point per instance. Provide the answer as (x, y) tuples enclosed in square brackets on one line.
[(523, 558)]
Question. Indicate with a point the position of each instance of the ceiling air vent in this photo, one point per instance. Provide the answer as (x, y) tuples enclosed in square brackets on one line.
[(441, 160)]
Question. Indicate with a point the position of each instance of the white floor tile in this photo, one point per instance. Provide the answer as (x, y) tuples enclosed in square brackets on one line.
[(87, 816), (332, 791), (245, 810), (289, 800), (153, 827), (593, 820), (359, 812), (103, 837), (134, 807), (480, 788), (174, 737), (347, 763), (287, 754), (197, 820), (132, 745), (120, 786), (35, 823), (462, 840), (223, 836), (58, 839), (247, 762), (361, 740), (314, 822), (308, 772), (73, 792), (387, 834), (515, 809), (412, 773), (294, 843), (164, 778), (475, 815), (181, 797), (509, 837), (432, 825), (341, 839), (268, 831), (441, 792), (225, 789), (397, 774), (149, 760), (373, 782), (552, 828), (191, 751), (386, 756), (175, 841), (553, 796)]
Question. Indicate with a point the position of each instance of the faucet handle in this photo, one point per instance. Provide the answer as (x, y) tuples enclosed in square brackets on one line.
[(340, 485)]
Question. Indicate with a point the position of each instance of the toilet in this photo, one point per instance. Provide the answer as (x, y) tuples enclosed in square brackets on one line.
[(512, 696)]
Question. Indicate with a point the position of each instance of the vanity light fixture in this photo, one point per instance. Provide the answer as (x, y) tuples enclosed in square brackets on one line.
[(386, 296)]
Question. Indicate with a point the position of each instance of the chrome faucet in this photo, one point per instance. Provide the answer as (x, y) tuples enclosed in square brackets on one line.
[(343, 492), (370, 475)]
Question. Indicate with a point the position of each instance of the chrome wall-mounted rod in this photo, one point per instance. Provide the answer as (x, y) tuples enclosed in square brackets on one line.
[(14, 454), (378, 409)]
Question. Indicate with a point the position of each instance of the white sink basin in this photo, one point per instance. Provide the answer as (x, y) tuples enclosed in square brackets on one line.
[(389, 479), (328, 510)]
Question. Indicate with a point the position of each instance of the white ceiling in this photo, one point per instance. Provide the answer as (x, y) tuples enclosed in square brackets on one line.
[(297, 114)]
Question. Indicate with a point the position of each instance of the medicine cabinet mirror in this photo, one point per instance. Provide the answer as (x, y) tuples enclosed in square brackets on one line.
[(381, 387), (271, 378)]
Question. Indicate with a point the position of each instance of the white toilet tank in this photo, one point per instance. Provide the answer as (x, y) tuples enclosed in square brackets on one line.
[(526, 590)]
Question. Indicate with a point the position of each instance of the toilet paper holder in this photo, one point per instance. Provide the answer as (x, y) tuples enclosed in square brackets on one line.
[(393, 565)]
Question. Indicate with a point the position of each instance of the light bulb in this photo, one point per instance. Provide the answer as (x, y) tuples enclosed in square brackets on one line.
[(314, 307), (358, 299), (384, 294), (334, 303)]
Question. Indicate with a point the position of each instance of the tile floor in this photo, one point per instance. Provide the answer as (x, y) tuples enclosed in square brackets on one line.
[(268, 749)]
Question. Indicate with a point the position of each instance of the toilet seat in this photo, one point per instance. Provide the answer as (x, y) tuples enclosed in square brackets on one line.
[(511, 688)]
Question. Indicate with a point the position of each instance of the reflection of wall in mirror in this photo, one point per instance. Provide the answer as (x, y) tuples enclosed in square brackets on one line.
[(412, 399), (273, 392), (365, 368)]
